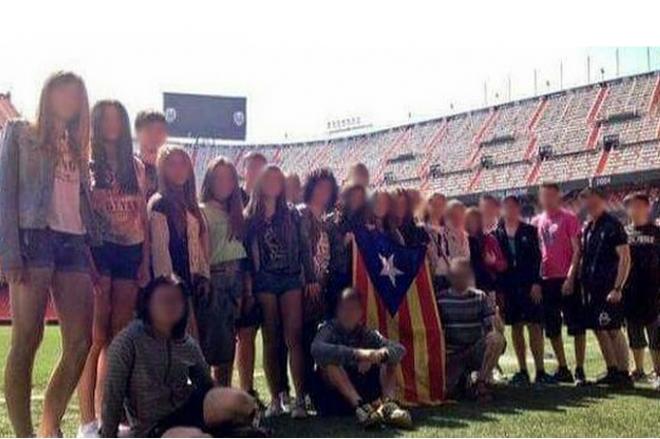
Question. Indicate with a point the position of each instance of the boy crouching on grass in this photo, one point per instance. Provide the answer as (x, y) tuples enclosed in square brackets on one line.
[(357, 368), (473, 334)]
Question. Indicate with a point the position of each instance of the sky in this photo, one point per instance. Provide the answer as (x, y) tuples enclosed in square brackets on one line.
[(301, 64)]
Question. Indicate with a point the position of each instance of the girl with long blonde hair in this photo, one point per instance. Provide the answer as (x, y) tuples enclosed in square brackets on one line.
[(45, 227)]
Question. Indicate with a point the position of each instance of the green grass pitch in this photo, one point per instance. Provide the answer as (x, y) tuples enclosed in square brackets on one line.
[(560, 411)]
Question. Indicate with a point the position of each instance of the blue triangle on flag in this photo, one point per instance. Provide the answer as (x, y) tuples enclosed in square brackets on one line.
[(392, 268)]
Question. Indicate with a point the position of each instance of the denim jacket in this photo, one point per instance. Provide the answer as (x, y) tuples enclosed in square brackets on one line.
[(27, 174)]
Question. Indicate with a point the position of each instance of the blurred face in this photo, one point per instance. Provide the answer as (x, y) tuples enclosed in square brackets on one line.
[(415, 200), (489, 209), (293, 190), (322, 193), (65, 101), (472, 224), (550, 199), (223, 183), (360, 176), (111, 124), (460, 276), (152, 136), (253, 168), (400, 208), (437, 206), (639, 212), (166, 307), (381, 205), (177, 169), (593, 205), (273, 184), (357, 200), (349, 314), (511, 210), (456, 216)]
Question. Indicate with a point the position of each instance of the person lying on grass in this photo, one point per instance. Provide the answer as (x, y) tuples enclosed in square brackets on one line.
[(473, 335), (158, 375), (357, 368)]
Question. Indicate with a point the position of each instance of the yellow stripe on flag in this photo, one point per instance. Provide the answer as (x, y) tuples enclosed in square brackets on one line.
[(419, 342), (372, 309), (393, 334)]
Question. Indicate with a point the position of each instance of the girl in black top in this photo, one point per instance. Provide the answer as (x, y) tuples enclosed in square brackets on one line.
[(319, 195), (281, 266), (349, 215)]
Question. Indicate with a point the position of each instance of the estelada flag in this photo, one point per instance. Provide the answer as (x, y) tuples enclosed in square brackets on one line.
[(394, 283)]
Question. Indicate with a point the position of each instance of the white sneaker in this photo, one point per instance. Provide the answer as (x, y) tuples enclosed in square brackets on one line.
[(91, 429), (285, 402), (298, 410), (124, 430), (274, 409)]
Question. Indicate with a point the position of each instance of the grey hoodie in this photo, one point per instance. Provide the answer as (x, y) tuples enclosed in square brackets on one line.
[(149, 377)]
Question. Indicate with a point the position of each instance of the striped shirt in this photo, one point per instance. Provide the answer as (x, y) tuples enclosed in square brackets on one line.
[(466, 317), (149, 378)]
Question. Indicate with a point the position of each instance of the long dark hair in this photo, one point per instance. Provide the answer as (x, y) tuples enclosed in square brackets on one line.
[(408, 216), (143, 313), (126, 174), (232, 205), (425, 214), (387, 223), (186, 199), (77, 127), (346, 217), (255, 212), (313, 179), (473, 212)]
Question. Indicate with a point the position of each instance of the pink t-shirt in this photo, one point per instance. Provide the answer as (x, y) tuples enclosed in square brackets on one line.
[(555, 233)]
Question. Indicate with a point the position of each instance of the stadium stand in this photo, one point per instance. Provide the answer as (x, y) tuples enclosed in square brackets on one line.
[(560, 136)]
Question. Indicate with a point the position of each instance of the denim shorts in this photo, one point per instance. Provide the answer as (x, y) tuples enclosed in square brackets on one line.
[(46, 248), (277, 284), (118, 261)]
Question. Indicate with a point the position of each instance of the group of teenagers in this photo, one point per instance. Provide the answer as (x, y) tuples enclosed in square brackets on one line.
[(161, 289)]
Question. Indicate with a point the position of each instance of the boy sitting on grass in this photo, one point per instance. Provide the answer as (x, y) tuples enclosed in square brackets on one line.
[(357, 368), (473, 334)]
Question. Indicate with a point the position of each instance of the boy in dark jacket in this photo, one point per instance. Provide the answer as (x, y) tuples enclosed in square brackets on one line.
[(521, 286)]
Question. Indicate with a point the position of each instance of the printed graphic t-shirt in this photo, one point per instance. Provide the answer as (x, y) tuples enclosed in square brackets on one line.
[(555, 234), (64, 213), (121, 214), (642, 296)]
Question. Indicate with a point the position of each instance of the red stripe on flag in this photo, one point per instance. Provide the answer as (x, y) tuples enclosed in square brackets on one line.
[(408, 361), (361, 281), (434, 337)]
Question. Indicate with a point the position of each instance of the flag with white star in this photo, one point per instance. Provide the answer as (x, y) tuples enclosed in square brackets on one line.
[(394, 282)]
